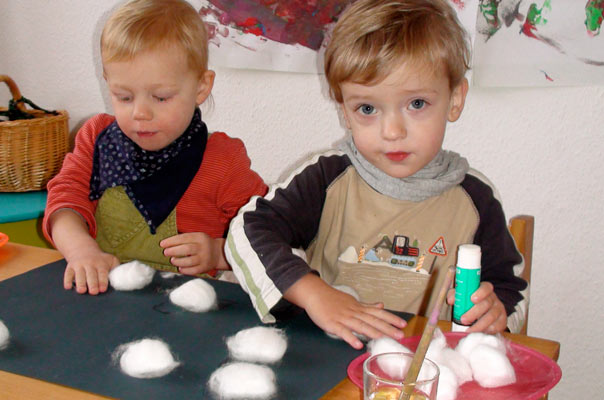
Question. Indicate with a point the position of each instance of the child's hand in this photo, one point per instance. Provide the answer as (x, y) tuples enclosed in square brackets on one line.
[(90, 269), (488, 311), (340, 314), (87, 264), (194, 253)]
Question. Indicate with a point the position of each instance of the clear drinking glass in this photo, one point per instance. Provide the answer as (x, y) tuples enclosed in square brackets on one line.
[(383, 376)]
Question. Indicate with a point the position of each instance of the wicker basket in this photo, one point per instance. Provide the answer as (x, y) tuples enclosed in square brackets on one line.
[(31, 150)]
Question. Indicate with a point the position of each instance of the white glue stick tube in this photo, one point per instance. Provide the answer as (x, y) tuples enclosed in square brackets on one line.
[(467, 280)]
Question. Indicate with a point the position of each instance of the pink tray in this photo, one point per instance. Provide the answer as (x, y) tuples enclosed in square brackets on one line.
[(536, 374)]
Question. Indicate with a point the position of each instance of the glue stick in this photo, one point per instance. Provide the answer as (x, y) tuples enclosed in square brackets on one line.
[(467, 280)]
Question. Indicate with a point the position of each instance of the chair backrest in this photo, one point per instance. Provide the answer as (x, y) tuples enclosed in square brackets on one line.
[(521, 228)]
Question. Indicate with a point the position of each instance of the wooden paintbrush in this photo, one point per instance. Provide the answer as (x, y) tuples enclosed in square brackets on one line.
[(424, 343)]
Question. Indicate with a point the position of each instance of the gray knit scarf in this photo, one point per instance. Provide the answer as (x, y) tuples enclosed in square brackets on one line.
[(446, 170)]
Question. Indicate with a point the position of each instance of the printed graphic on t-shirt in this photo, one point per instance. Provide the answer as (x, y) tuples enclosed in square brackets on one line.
[(398, 252), (439, 248)]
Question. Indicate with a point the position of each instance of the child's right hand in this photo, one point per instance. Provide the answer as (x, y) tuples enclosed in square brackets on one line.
[(87, 264), (340, 314), (89, 269)]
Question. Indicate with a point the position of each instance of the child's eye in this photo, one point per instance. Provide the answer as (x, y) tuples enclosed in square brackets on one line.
[(161, 99), (123, 98), (366, 109), (417, 104)]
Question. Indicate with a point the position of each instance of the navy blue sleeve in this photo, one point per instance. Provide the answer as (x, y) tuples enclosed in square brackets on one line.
[(289, 218), (499, 254)]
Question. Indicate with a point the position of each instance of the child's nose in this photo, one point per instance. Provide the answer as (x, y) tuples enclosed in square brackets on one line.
[(141, 111), (394, 127)]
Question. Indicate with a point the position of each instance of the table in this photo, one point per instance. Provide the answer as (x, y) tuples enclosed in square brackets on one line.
[(16, 259)]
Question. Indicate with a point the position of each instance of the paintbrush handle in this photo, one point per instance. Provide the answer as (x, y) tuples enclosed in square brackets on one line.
[(424, 343)]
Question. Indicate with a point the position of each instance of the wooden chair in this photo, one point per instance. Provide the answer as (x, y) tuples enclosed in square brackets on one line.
[(521, 228)]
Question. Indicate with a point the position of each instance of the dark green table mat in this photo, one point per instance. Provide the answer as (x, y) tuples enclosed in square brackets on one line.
[(66, 338)]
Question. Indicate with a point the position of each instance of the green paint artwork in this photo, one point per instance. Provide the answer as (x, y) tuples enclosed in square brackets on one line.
[(559, 42)]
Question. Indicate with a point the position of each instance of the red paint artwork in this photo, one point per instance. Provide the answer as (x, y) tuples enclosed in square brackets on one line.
[(285, 21)]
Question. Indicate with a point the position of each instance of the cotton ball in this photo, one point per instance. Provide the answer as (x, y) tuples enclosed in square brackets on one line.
[(241, 380), (259, 344), (393, 366), (447, 383), (491, 367), (467, 344), (437, 345), (4, 336), (133, 275), (386, 345), (196, 295), (146, 358), (458, 363), (168, 274), (438, 339)]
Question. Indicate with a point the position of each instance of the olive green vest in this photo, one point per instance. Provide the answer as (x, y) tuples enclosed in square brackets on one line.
[(123, 232)]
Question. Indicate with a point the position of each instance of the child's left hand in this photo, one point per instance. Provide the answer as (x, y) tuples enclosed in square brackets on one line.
[(195, 252), (488, 311)]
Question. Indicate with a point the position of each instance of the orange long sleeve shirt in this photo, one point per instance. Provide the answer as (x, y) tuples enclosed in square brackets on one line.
[(223, 183)]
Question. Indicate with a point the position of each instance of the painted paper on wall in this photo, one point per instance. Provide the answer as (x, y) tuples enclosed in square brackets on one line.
[(539, 43), (282, 35)]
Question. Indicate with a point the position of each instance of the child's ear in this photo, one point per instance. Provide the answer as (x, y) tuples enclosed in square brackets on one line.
[(205, 85), (458, 99)]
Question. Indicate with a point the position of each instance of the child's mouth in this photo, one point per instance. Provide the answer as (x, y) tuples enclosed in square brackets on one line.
[(145, 133), (397, 155)]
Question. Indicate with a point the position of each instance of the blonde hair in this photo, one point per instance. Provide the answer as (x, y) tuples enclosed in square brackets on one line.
[(373, 37), (141, 25)]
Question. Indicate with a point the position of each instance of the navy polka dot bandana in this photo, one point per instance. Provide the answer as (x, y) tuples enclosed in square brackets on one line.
[(155, 181)]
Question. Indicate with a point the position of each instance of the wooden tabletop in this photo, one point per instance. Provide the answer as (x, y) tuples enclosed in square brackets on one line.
[(16, 259)]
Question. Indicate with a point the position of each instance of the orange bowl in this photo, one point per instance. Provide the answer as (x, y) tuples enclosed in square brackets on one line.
[(3, 239)]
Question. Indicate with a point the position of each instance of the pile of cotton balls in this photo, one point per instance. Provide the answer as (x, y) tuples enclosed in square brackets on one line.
[(244, 378), (478, 356), (151, 357)]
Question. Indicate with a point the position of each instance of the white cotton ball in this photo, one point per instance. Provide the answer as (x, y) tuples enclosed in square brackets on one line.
[(437, 345), (467, 344), (146, 358), (133, 275), (438, 339), (426, 372), (386, 345), (447, 383), (391, 365), (240, 380), (196, 295), (491, 367), (456, 362), (4, 336), (258, 344), (168, 274)]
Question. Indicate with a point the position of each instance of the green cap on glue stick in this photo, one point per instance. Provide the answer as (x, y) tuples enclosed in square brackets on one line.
[(467, 280)]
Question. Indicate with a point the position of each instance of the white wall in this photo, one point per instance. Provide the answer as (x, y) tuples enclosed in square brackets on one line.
[(542, 147)]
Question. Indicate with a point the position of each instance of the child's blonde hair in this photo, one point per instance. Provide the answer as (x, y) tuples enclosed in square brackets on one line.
[(373, 37), (141, 25)]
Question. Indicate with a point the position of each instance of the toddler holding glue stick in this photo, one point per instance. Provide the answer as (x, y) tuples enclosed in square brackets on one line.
[(384, 213), (149, 183)]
